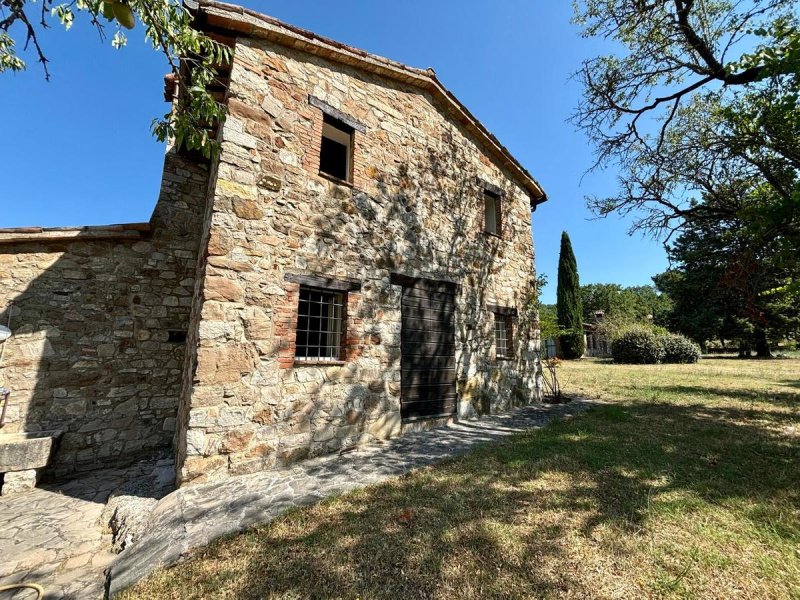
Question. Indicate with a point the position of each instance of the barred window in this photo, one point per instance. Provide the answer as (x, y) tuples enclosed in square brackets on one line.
[(503, 330), (319, 325)]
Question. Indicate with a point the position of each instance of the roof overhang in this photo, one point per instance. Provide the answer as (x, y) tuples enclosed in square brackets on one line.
[(39, 235), (238, 20)]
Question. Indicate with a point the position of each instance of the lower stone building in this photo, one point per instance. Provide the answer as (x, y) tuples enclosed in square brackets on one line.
[(355, 263)]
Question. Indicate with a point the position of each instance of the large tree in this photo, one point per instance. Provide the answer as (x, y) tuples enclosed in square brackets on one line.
[(568, 302), (193, 57), (698, 109), (699, 95), (728, 284)]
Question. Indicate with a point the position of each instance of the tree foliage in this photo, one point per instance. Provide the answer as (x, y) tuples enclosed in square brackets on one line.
[(568, 301), (633, 304), (192, 56), (699, 111), (702, 96), (727, 283)]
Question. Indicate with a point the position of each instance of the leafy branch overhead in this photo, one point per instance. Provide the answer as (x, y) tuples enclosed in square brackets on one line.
[(698, 109), (193, 57), (698, 95)]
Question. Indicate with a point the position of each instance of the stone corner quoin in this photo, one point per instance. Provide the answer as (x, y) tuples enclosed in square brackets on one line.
[(184, 332)]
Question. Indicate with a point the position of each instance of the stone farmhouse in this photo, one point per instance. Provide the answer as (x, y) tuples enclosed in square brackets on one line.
[(356, 262)]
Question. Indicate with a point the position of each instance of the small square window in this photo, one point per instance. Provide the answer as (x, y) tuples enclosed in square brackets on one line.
[(503, 331), (492, 220), (336, 150), (320, 319)]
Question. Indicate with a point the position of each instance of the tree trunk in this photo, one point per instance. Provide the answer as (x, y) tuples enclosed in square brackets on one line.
[(762, 344)]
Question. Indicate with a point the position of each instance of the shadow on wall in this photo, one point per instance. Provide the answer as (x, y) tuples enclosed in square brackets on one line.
[(495, 524), (410, 206), (98, 330)]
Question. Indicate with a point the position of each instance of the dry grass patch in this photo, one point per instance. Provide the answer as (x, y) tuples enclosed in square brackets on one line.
[(686, 484)]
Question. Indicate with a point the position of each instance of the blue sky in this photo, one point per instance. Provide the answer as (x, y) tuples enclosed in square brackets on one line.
[(77, 150)]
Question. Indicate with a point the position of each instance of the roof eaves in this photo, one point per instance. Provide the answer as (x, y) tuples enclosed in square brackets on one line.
[(253, 24), (123, 231)]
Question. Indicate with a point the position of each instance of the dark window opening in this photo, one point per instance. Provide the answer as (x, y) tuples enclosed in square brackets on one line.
[(320, 317), (176, 337), (336, 150), (503, 330), (492, 217)]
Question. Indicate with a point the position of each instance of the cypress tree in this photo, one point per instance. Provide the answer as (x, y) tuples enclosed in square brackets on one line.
[(568, 303)]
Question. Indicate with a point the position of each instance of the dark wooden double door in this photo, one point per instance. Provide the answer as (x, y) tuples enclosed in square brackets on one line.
[(428, 348)]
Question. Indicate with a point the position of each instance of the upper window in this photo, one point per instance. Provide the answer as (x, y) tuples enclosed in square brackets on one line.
[(503, 331), (492, 217), (319, 325), (336, 150)]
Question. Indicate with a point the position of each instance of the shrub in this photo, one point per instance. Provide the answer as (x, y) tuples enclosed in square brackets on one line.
[(572, 344), (679, 349), (637, 346)]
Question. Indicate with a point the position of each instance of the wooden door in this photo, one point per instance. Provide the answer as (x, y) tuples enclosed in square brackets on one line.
[(428, 349)]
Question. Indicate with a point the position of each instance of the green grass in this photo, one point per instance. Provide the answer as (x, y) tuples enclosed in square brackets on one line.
[(685, 483)]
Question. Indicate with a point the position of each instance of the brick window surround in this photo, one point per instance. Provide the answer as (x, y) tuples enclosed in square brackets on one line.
[(503, 328), (314, 325), (492, 198), (312, 141)]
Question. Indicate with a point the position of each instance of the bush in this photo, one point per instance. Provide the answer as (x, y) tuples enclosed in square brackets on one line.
[(637, 346), (646, 346), (572, 344), (679, 349)]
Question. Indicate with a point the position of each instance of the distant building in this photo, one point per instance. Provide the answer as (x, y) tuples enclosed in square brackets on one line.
[(597, 344)]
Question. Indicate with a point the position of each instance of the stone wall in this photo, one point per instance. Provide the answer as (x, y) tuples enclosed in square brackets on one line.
[(415, 207), (98, 316)]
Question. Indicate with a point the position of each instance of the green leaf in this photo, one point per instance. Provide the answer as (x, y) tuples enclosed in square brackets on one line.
[(124, 15), (107, 8)]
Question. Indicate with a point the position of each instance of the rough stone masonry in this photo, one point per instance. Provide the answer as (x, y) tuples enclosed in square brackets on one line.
[(234, 248), (98, 315)]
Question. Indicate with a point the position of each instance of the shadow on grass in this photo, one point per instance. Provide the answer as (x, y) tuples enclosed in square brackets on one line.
[(484, 526), (786, 399)]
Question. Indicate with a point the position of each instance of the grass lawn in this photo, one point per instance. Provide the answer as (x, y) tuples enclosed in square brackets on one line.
[(685, 484)]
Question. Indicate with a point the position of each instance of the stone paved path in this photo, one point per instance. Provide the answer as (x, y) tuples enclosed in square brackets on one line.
[(192, 517), (53, 535)]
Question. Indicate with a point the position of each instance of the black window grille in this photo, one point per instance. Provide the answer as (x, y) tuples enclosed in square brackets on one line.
[(503, 336), (319, 325)]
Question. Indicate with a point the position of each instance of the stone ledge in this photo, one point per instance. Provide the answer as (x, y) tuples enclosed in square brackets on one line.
[(124, 231)]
